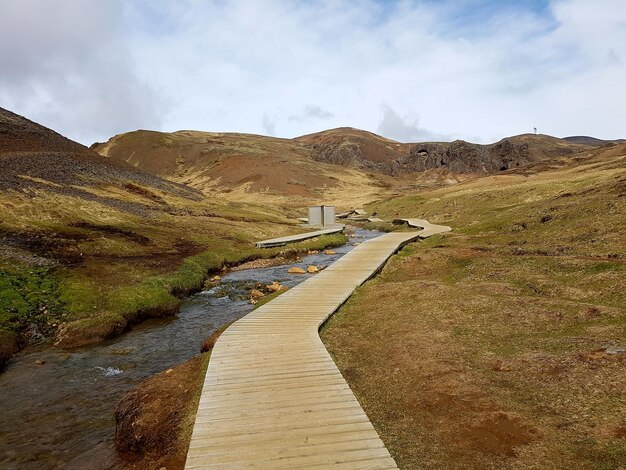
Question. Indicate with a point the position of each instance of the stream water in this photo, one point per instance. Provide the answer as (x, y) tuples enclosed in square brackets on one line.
[(55, 414)]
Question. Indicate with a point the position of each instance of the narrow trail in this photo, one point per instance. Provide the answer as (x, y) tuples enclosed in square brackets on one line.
[(273, 398)]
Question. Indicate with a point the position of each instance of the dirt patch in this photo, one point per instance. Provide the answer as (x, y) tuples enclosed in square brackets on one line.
[(467, 361), (109, 229), (154, 420), (498, 434), (135, 189)]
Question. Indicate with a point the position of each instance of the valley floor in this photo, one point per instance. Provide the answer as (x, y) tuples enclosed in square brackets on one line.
[(501, 345)]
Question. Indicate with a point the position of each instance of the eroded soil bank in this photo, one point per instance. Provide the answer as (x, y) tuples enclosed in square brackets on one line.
[(39, 308)]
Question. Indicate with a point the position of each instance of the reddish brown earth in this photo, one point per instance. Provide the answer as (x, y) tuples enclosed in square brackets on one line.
[(308, 165), (154, 420), (35, 157), (224, 162)]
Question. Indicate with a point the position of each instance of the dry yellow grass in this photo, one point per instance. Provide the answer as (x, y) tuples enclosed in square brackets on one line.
[(497, 346)]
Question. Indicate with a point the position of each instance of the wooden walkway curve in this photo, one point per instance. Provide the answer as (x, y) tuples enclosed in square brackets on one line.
[(273, 397), (298, 237)]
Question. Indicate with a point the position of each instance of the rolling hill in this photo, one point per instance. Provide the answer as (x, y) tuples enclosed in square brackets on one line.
[(327, 166), (591, 141), (244, 167), (90, 245), (367, 151), (502, 343)]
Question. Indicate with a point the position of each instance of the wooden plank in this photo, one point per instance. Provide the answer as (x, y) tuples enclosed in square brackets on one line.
[(273, 397), (298, 237)]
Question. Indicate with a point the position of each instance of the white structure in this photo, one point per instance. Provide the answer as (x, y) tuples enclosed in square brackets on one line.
[(321, 216)]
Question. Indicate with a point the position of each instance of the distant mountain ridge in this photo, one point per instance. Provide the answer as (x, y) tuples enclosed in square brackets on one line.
[(370, 152), (232, 159), (228, 161), (587, 140)]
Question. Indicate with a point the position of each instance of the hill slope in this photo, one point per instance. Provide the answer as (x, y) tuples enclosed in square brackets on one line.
[(243, 166), (33, 157), (592, 141), (90, 245), (364, 150), (345, 166), (506, 344)]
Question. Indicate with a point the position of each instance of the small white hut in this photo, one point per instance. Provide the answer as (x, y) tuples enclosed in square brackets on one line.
[(321, 216)]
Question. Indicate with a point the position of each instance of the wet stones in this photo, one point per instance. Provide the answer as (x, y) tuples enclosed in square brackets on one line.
[(274, 287)]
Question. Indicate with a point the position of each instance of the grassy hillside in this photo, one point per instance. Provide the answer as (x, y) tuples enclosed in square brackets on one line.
[(89, 246), (243, 167), (500, 345)]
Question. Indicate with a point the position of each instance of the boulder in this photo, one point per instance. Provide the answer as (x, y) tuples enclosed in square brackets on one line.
[(256, 294), (312, 269), (274, 286), (296, 270), (214, 281), (330, 252)]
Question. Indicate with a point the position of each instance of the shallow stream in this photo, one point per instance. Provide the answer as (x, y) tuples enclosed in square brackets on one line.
[(60, 413)]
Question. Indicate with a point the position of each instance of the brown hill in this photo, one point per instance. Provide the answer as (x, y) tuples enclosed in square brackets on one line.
[(354, 147), (344, 166), (90, 245), (245, 166), (592, 141), (33, 157), (367, 151), (18, 134)]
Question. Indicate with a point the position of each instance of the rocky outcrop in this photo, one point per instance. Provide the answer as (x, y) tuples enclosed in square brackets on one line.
[(367, 151), (464, 157)]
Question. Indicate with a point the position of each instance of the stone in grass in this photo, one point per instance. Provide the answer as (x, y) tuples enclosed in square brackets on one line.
[(615, 350), (214, 281), (296, 270), (312, 269)]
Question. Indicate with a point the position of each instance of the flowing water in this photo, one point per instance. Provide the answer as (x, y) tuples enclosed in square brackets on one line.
[(56, 414)]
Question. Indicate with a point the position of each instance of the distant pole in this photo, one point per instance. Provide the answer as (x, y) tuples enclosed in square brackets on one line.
[(535, 130)]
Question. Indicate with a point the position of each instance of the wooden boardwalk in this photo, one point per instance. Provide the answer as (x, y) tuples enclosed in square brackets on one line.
[(273, 397), (428, 228), (298, 237)]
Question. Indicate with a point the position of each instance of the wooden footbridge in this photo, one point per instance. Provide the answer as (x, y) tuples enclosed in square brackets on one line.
[(273, 398)]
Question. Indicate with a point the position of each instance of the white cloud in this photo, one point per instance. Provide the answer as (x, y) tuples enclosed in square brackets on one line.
[(269, 124), (65, 64), (406, 129), (311, 112), (291, 68)]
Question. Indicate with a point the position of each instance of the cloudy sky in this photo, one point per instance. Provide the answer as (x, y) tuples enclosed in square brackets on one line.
[(410, 70)]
